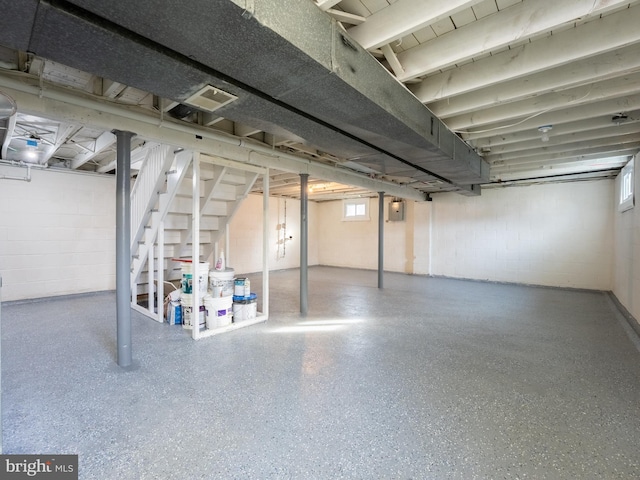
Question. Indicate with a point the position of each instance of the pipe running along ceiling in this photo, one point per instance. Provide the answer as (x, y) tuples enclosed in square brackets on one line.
[(292, 69)]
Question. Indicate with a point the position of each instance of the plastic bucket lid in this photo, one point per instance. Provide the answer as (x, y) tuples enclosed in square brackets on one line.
[(226, 274), (250, 299)]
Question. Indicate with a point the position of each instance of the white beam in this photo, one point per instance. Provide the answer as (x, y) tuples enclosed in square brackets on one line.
[(346, 17), (606, 107), (242, 130), (54, 102), (598, 123), (390, 55), (11, 125), (402, 18), (64, 131), (595, 69), (578, 167), (549, 158), (525, 19), (326, 4), (555, 138), (597, 160), (583, 95), (103, 141)]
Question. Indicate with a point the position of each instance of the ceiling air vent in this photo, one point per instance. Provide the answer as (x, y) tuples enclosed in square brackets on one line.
[(210, 98)]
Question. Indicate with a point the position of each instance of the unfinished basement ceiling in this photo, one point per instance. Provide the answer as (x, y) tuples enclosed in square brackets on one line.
[(529, 90)]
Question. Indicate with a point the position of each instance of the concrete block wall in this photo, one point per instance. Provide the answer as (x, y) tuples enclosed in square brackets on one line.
[(626, 278), (354, 244), (553, 234), (57, 233), (57, 236), (246, 232)]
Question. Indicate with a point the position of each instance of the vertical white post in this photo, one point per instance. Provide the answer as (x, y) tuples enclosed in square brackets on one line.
[(226, 244), (195, 251), (150, 276), (0, 366), (265, 243), (160, 277)]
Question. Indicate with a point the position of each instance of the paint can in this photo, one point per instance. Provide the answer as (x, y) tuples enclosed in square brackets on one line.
[(245, 308), (187, 311), (221, 282), (187, 277), (242, 287), (219, 311)]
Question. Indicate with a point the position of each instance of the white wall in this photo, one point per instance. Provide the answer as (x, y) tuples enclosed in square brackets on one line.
[(626, 277), (57, 236), (555, 234), (57, 233), (245, 235), (354, 244)]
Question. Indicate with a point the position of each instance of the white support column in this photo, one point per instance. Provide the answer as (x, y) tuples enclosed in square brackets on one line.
[(227, 245), (160, 277), (195, 250), (265, 244), (0, 365), (150, 277)]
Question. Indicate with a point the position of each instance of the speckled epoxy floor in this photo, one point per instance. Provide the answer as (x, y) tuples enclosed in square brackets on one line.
[(429, 378)]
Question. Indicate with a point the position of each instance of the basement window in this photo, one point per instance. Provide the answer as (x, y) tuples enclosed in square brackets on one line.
[(355, 209), (626, 188)]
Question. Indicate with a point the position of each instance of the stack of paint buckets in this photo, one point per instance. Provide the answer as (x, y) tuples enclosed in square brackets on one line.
[(218, 303), (245, 304), (223, 298), (186, 297)]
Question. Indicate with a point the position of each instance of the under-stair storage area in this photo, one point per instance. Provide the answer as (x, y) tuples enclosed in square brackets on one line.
[(181, 206)]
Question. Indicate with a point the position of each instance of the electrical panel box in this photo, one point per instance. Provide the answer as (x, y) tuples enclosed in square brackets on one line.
[(396, 211)]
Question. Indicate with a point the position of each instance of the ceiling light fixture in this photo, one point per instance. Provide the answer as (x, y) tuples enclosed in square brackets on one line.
[(31, 152), (544, 130)]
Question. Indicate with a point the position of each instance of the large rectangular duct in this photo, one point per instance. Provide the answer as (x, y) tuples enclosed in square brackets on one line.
[(293, 69)]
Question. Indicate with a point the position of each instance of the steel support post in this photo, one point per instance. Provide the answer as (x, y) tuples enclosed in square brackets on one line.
[(123, 246), (304, 230), (380, 239)]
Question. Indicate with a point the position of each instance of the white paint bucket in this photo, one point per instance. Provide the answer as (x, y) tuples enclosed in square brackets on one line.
[(187, 311), (245, 308), (187, 277), (242, 287), (221, 283), (219, 311)]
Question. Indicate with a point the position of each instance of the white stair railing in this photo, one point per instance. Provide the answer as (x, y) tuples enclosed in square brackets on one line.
[(144, 193), (155, 220)]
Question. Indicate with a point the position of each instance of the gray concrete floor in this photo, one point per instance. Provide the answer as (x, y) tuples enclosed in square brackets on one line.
[(429, 378)]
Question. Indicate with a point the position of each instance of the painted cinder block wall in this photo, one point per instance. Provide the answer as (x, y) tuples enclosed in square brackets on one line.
[(246, 233), (57, 233), (626, 278), (554, 234), (57, 236)]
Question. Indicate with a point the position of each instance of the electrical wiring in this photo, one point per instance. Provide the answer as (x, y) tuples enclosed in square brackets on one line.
[(526, 119)]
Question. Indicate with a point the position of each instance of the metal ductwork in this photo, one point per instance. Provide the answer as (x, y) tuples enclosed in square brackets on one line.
[(294, 72)]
